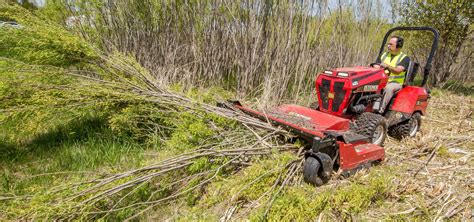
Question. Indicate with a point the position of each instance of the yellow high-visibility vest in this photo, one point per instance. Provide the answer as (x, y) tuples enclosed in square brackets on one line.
[(387, 59)]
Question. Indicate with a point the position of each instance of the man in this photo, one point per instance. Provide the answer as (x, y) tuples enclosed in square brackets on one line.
[(395, 64)]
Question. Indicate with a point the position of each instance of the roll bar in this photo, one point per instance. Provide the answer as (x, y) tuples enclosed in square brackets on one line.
[(434, 46)]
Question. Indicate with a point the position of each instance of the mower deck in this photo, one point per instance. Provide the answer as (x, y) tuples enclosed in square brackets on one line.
[(330, 136)]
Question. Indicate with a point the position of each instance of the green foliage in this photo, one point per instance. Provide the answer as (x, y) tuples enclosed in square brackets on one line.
[(294, 203), (179, 130), (40, 41), (35, 98), (249, 184), (199, 165), (54, 11), (25, 4), (306, 203), (191, 131), (453, 20), (211, 95), (141, 121)]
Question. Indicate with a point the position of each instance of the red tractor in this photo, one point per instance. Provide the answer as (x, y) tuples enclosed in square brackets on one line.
[(342, 130)]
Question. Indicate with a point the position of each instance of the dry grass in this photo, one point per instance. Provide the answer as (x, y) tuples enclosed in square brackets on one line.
[(430, 178), (435, 169)]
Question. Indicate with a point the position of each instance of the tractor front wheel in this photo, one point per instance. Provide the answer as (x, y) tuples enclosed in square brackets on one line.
[(311, 171), (373, 126), (406, 129)]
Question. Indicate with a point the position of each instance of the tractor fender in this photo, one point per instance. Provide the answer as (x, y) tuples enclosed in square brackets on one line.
[(411, 99), (325, 161)]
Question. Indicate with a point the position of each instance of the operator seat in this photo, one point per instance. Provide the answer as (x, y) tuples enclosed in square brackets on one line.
[(410, 75)]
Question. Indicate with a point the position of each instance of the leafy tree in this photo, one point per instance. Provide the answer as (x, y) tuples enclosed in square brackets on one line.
[(453, 19)]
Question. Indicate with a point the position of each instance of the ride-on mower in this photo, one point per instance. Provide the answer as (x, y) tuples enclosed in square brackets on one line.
[(342, 130)]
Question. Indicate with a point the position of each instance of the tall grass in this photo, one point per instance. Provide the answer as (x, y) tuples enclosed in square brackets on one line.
[(270, 50)]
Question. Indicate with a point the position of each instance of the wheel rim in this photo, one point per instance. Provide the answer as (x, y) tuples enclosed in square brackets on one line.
[(378, 135), (413, 127)]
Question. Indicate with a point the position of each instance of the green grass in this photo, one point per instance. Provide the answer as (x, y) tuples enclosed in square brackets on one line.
[(75, 152), (86, 145), (303, 202)]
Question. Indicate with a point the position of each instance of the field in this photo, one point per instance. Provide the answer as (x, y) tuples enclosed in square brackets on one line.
[(93, 135)]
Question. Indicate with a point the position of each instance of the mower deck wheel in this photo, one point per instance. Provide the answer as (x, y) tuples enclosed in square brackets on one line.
[(311, 171)]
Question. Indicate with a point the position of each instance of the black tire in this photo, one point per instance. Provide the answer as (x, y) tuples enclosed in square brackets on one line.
[(406, 129), (312, 171), (373, 126)]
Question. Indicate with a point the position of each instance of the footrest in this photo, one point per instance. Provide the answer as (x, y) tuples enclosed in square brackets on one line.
[(354, 138)]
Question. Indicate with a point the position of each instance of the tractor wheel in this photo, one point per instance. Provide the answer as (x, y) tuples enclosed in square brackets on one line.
[(406, 129), (373, 126), (312, 171)]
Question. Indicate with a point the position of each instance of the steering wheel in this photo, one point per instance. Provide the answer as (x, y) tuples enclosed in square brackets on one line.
[(374, 63), (380, 64)]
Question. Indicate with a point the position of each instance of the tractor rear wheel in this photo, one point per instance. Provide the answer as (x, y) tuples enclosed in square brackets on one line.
[(312, 171), (406, 129), (373, 126)]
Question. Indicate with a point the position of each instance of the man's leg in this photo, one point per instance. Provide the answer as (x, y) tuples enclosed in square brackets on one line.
[(389, 89)]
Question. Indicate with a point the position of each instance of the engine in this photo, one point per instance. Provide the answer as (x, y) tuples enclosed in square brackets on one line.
[(348, 91)]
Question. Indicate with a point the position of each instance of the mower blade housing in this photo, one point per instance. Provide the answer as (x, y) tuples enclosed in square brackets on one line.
[(328, 134)]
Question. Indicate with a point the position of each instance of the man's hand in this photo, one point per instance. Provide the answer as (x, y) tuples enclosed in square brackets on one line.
[(380, 66), (395, 70)]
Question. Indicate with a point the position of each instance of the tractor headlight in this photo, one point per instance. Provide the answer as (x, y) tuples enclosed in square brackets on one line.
[(327, 72), (343, 74)]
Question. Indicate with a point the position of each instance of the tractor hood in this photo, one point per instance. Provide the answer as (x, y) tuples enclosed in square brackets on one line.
[(336, 86), (347, 72)]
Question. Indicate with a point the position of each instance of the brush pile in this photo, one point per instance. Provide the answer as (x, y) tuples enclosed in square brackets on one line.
[(215, 142)]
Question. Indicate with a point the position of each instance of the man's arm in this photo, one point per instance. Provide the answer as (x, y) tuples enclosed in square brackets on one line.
[(392, 69), (402, 66)]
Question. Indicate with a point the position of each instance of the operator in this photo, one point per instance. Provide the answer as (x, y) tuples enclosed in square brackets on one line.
[(395, 64)]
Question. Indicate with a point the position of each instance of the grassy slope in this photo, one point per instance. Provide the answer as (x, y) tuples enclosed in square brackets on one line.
[(49, 148)]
